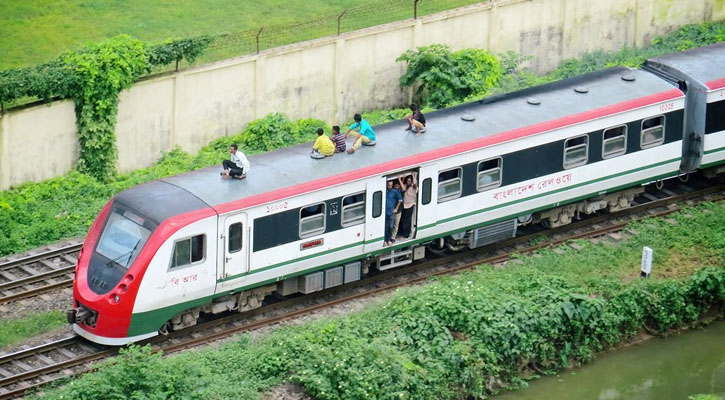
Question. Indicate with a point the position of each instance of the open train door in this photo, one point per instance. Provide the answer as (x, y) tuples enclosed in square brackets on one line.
[(427, 217), (374, 214)]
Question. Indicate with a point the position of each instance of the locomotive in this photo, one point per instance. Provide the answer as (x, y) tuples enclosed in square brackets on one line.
[(160, 255)]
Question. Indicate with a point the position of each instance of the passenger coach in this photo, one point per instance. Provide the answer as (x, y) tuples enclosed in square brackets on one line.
[(160, 254)]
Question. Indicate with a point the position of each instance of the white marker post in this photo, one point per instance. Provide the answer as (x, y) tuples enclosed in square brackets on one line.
[(646, 262)]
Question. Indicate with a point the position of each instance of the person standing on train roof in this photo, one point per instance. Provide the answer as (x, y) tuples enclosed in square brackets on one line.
[(365, 136), (393, 200), (238, 166), (416, 120), (323, 146), (339, 139)]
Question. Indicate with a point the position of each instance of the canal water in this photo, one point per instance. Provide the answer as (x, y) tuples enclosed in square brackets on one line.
[(658, 369)]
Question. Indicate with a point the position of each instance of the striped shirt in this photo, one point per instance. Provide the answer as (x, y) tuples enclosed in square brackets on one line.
[(339, 140)]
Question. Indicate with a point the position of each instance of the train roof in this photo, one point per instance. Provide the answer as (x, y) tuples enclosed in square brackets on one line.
[(288, 171), (703, 64)]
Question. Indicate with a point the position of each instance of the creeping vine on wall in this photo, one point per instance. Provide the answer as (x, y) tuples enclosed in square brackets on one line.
[(94, 77)]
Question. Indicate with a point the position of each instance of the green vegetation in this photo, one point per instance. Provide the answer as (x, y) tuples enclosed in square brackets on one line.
[(40, 213), (40, 30), (466, 336), (15, 330), (443, 77), (94, 77)]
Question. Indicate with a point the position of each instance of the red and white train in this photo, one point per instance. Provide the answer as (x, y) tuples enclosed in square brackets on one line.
[(160, 254)]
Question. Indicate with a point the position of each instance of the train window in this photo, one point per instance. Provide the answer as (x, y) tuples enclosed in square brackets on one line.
[(427, 186), (122, 239), (576, 151), (489, 174), (235, 237), (449, 184), (188, 251), (377, 204), (353, 209), (614, 142), (312, 220), (653, 132)]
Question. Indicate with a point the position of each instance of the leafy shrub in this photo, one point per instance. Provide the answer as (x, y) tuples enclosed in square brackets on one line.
[(268, 133), (442, 77)]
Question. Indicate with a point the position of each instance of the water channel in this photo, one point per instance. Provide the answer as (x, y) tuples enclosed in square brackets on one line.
[(658, 369)]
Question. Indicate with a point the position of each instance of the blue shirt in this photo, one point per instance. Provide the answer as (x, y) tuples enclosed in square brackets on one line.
[(365, 129), (392, 198)]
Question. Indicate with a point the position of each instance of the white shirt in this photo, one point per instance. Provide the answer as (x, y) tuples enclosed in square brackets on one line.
[(241, 160)]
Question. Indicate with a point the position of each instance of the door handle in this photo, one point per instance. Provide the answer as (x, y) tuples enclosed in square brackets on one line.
[(228, 259)]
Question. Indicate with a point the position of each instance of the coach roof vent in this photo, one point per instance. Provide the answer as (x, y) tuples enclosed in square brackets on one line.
[(628, 77), (468, 117), (533, 101), (581, 89)]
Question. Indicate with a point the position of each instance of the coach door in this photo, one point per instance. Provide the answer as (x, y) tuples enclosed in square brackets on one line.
[(427, 199), (234, 240), (374, 214)]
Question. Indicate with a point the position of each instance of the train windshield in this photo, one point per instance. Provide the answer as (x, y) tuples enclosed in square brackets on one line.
[(123, 238)]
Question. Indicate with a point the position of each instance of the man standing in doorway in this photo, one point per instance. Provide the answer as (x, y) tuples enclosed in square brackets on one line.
[(393, 200)]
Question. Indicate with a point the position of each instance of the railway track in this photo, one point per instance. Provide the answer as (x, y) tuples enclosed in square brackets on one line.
[(34, 274), (34, 367)]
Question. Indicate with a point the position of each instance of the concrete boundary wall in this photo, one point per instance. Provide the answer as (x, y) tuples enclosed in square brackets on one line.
[(329, 78)]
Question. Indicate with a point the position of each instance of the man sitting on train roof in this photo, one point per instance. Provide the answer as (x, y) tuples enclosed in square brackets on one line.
[(238, 166), (323, 146), (366, 135), (416, 120), (339, 139)]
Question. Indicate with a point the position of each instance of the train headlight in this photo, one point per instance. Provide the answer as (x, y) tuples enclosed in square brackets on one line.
[(114, 298)]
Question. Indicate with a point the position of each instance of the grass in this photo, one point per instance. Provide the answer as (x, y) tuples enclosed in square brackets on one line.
[(465, 336), (38, 31), (16, 330)]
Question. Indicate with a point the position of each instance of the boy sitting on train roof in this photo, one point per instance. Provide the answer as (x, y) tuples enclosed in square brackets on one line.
[(339, 139), (366, 135), (238, 166), (323, 146), (416, 120)]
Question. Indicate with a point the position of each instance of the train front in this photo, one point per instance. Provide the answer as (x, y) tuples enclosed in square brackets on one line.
[(116, 254)]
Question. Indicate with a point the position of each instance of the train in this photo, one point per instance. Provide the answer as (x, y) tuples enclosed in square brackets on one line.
[(162, 255)]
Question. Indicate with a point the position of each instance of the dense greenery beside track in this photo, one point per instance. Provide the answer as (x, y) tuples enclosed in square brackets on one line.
[(34, 214), (459, 337)]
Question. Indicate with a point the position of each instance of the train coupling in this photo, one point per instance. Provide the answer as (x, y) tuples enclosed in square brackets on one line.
[(80, 315)]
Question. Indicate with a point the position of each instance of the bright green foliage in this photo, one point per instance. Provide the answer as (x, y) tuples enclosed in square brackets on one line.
[(276, 131), (442, 77), (94, 77), (176, 50), (704, 397), (467, 336), (101, 71), (15, 330)]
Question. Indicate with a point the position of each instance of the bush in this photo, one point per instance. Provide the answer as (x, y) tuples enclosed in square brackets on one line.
[(442, 77)]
